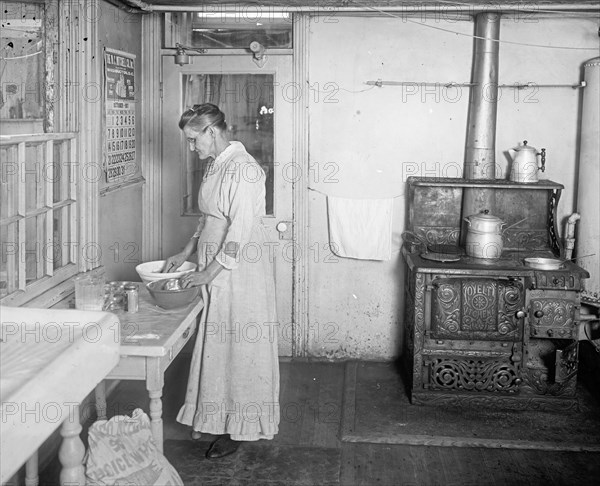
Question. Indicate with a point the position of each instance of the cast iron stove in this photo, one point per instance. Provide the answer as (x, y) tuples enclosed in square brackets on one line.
[(489, 332)]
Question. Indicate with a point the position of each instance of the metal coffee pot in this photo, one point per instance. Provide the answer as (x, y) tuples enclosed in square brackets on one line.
[(524, 163), (484, 236)]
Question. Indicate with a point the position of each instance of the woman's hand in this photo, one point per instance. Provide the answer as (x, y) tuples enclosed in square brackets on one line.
[(174, 262), (195, 279)]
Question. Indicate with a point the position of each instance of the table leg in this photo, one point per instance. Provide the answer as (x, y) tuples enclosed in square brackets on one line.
[(100, 394), (31, 470), (72, 451), (156, 422), (154, 385)]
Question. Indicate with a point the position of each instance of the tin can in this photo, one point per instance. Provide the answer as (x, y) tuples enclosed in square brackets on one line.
[(131, 294)]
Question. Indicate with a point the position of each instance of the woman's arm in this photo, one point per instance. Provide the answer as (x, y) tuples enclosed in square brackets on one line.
[(175, 261), (243, 186), (194, 279)]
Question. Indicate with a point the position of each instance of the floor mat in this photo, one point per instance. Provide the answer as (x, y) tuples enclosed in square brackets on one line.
[(255, 463), (377, 410)]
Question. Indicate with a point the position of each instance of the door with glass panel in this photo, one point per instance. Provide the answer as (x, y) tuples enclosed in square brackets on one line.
[(258, 114)]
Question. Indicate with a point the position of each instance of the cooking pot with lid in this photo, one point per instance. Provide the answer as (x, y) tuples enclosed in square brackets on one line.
[(484, 236)]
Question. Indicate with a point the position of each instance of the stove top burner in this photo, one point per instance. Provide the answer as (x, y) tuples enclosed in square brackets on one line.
[(509, 259), (441, 257)]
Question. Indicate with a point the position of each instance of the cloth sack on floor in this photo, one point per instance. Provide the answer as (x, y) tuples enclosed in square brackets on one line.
[(122, 451), (360, 228)]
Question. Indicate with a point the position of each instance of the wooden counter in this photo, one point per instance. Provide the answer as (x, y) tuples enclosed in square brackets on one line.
[(50, 361)]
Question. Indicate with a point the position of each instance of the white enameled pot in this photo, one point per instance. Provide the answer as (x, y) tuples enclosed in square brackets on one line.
[(484, 236)]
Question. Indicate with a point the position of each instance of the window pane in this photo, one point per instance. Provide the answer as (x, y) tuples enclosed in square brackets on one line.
[(61, 244), (8, 179), (22, 78), (247, 101), (34, 247), (61, 173), (9, 239), (229, 30), (240, 29), (35, 177), (40, 238), (3, 275)]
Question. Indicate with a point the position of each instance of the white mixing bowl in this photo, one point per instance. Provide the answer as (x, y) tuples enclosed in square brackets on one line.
[(151, 271)]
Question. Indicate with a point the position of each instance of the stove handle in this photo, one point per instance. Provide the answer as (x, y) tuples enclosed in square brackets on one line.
[(520, 314)]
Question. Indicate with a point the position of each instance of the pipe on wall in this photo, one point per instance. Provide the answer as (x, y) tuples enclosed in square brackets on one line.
[(480, 158), (480, 148), (570, 236), (588, 198), (351, 7)]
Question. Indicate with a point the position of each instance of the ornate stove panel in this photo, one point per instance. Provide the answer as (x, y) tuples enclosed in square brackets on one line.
[(552, 317), (464, 374), (476, 308), (556, 280)]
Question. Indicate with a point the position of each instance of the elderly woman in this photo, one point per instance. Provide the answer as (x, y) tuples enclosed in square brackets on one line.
[(233, 385)]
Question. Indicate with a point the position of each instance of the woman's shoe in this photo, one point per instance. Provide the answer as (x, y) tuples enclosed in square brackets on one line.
[(222, 447)]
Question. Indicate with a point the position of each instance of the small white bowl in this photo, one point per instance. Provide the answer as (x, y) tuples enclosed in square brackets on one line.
[(544, 263), (151, 271)]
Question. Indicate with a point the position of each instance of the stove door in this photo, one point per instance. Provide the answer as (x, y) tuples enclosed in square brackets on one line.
[(476, 309), (552, 314), (473, 338)]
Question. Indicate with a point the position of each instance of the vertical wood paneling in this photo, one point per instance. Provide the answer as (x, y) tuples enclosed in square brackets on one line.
[(66, 107), (78, 21), (68, 111), (51, 40), (81, 67), (151, 146), (300, 188), (91, 126)]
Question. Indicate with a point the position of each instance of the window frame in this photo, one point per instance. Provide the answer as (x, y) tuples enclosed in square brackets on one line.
[(177, 30), (16, 258), (66, 113)]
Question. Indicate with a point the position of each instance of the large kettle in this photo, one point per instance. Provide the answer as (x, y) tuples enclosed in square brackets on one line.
[(484, 236), (524, 163)]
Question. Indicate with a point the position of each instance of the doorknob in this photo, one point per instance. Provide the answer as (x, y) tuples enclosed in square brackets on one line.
[(284, 228)]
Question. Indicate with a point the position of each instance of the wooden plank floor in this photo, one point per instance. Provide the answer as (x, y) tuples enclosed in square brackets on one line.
[(307, 451), (368, 464)]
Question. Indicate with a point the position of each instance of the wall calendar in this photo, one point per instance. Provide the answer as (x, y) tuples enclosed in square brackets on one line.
[(120, 160)]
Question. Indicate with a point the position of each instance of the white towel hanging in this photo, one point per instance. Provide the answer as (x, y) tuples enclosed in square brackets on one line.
[(360, 228)]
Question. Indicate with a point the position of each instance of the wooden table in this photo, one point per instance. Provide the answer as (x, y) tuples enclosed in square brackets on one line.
[(50, 361), (150, 340)]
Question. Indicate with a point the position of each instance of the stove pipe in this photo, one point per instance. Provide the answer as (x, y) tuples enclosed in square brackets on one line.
[(480, 158)]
